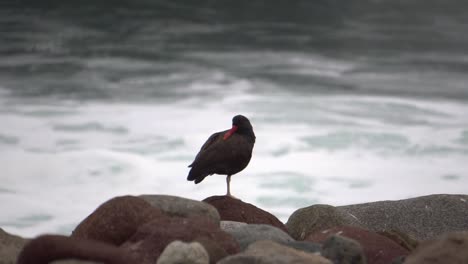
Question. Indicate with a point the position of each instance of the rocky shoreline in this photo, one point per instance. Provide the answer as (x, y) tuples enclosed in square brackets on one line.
[(167, 229)]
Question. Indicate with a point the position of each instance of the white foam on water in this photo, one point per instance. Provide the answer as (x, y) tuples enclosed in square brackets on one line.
[(68, 158)]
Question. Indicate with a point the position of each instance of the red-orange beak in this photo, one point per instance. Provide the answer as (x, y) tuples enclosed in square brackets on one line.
[(230, 132)]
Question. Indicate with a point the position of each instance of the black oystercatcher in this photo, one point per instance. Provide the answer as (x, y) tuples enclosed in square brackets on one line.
[(226, 152)]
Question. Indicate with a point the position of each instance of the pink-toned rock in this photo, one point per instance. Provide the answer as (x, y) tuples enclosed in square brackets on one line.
[(47, 248), (231, 209), (116, 220), (151, 238), (378, 249), (449, 248)]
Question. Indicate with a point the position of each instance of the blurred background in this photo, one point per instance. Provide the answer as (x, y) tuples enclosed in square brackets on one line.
[(351, 101)]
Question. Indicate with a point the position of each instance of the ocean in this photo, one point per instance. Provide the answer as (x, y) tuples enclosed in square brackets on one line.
[(351, 101)]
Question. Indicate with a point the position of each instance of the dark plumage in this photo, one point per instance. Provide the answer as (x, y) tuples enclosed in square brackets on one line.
[(227, 152)]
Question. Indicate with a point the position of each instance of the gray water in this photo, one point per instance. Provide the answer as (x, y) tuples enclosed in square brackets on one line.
[(351, 101)]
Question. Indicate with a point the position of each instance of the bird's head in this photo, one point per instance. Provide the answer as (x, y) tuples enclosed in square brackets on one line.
[(240, 125)]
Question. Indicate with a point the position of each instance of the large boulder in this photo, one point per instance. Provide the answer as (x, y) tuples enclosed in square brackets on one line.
[(10, 247), (269, 252), (178, 252), (450, 248), (418, 218), (421, 218), (231, 209), (248, 234), (308, 220), (151, 238), (182, 207), (116, 220), (47, 248), (378, 249)]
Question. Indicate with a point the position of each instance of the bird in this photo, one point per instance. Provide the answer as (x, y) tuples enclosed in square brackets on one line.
[(225, 153)]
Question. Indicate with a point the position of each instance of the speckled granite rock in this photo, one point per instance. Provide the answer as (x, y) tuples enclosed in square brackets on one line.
[(308, 220), (421, 218), (10, 247)]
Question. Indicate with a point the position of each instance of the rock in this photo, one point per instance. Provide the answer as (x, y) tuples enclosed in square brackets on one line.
[(247, 234), (450, 248), (215, 251), (151, 238), (399, 260), (421, 218), (400, 238), (378, 249), (48, 248), (232, 209), (305, 246), (230, 225), (116, 220), (343, 250), (10, 247), (178, 252), (182, 207), (318, 217), (269, 252)]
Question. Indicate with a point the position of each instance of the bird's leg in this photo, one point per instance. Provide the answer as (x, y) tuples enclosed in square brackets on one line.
[(228, 182)]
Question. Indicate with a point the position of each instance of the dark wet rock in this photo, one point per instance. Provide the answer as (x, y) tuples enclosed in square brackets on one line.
[(248, 234), (116, 220), (178, 252), (400, 238), (10, 247), (378, 249), (399, 260), (47, 248), (181, 207), (343, 250), (420, 218), (151, 238), (231, 209), (215, 251), (269, 252), (449, 248), (308, 220)]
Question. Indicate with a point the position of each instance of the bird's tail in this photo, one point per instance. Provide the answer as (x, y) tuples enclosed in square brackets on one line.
[(196, 176)]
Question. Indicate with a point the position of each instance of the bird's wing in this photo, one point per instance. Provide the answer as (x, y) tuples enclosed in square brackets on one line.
[(213, 138)]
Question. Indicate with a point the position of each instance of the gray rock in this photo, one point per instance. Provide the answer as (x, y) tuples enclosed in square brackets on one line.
[(248, 234), (343, 250), (269, 252), (421, 218), (231, 225), (178, 252), (182, 207), (10, 247), (305, 246), (449, 248), (318, 217)]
